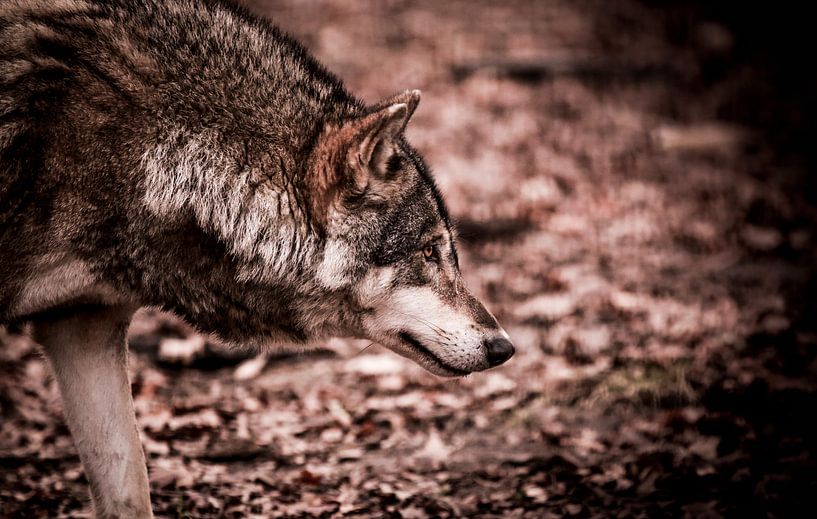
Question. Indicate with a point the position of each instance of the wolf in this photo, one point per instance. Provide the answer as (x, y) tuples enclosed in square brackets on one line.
[(188, 155)]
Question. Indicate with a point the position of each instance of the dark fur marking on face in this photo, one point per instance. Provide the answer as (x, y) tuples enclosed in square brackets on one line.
[(425, 174), (405, 226), (480, 314), (412, 273)]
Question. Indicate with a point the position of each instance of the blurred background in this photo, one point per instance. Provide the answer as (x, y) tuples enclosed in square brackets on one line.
[(633, 184)]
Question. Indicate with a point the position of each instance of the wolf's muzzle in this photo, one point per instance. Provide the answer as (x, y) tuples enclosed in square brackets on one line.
[(499, 349)]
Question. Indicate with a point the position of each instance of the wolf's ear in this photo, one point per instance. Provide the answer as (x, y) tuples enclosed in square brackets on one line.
[(373, 135), (355, 154)]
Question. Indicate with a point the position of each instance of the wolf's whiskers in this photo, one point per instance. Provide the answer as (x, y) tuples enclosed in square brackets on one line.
[(431, 325), (364, 349)]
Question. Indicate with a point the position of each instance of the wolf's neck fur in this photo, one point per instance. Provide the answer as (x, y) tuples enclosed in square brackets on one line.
[(234, 144), (251, 207)]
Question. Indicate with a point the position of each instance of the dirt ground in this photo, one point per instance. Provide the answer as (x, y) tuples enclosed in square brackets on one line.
[(633, 209)]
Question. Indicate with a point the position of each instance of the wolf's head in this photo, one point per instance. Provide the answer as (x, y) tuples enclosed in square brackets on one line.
[(389, 246)]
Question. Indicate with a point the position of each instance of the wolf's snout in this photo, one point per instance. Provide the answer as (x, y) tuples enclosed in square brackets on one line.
[(499, 350)]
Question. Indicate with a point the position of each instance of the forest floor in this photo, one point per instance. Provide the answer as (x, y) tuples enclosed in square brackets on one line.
[(623, 211)]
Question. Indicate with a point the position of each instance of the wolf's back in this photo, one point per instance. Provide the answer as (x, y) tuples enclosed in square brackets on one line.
[(73, 67)]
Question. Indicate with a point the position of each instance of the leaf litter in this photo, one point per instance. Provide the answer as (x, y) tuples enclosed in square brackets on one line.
[(652, 261)]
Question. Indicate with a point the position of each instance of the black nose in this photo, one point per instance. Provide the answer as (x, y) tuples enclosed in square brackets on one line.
[(499, 350)]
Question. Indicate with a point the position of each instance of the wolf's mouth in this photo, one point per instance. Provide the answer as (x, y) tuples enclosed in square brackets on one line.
[(419, 348)]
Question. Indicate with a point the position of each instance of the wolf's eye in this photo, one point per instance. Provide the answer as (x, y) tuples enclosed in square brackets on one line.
[(430, 253)]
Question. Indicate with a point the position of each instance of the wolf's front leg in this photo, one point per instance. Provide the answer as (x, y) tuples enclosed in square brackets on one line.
[(88, 354)]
